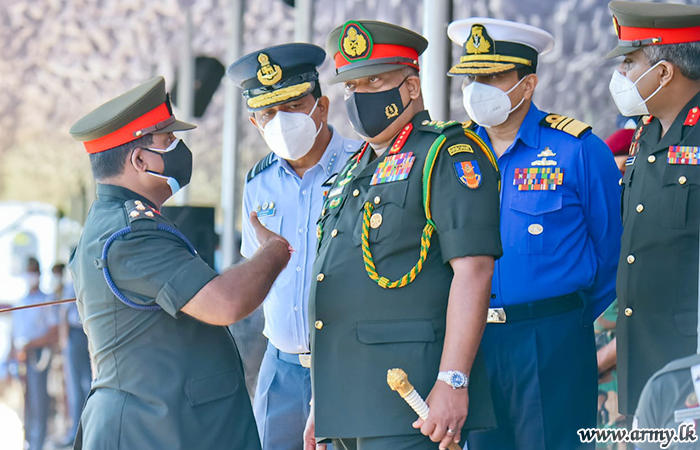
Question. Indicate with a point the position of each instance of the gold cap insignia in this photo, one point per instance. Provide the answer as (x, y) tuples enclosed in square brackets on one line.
[(355, 42), (478, 41), (391, 111), (268, 74), (617, 27)]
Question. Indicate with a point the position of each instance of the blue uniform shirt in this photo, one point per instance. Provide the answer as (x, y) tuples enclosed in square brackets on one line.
[(290, 206), (33, 323), (565, 239)]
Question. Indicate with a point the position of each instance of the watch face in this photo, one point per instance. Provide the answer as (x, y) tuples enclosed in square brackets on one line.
[(456, 379)]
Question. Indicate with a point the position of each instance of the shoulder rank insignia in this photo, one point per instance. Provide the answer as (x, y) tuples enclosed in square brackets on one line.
[(260, 166), (393, 168), (566, 124), (469, 125), (684, 154), (538, 178), (136, 210), (468, 173), (460, 148), (692, 117)]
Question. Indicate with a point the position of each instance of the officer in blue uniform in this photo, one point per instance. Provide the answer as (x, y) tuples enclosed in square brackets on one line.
[(560, 228), (287, 188)]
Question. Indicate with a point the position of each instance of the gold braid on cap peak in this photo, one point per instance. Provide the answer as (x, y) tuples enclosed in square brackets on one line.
[(280, 95), (475, 68), (495, 58)]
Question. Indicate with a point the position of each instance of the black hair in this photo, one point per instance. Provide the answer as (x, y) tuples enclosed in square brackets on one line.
[(110, 163), (524, 71), (33, 265)]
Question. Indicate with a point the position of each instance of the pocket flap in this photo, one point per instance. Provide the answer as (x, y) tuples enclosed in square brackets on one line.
[(389, 193), (536, 202), (213, 387), (387, 331), (272, 223), (673, 173)]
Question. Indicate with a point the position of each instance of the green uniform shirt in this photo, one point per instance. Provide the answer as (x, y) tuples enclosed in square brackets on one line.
[(362, 330), (657, 279), (164, 380)]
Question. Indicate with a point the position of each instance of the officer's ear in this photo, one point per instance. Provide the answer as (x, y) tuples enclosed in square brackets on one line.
[(413, 85), (323, 104), (140, 159), (667, 72), (530, 83)]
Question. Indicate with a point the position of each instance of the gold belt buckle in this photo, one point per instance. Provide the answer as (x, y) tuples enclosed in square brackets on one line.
[(305, 360), (496, 315)]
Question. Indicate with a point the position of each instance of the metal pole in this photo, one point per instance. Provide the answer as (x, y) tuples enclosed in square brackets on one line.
[(185, 88), (303, 20), (232, 133), (437, 14)]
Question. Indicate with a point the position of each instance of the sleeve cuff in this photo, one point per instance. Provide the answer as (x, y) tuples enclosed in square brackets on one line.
[(183, 285), (462, 242)]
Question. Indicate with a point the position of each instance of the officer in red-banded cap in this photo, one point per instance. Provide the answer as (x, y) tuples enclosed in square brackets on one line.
[(168, 375), (657, 278)]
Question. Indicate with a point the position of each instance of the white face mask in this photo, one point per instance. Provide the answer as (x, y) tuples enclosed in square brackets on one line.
[(487, 105), (626, 95), (291, 135)]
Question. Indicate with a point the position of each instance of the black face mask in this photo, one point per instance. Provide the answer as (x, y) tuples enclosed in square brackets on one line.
[(177, 161), (370, 113)]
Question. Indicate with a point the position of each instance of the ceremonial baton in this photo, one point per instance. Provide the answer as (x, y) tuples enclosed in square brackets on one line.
[(36, 305), (398, 381)]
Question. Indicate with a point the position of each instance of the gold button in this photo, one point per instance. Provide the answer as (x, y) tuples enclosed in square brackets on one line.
[(535, 229), (682, 180), (320, 277), (356, 192), (630, 259), (425, 122), (377, 199), (334, 233), (620, 182), (318, 324), (375, 221), (640, 208), (651, 158), (628, 312)]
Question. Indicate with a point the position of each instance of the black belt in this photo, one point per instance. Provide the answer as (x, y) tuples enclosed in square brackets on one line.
[(536, 309)]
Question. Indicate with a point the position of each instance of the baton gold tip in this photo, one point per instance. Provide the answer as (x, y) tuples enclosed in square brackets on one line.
[(397, 380)]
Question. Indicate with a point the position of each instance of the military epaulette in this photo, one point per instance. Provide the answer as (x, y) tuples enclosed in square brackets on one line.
[(260, 166), (692, 117), (437, 126), (568, 125), (141, 215), (469, 125)]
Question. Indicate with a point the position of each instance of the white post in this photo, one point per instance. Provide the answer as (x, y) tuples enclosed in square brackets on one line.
[(229, 154), (436, 59), (304, 20), (185, 88)]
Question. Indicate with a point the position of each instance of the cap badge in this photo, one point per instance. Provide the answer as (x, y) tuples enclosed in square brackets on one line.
[(478, 41), (617, 27), (268, 74), (355, 42)]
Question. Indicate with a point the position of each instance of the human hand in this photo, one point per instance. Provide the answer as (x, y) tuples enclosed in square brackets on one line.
[(448, 412), (264, 235), (309, 434)]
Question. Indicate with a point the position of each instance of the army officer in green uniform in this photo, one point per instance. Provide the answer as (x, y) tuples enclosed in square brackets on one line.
[(407, 241), (657, 279), (168, 374)]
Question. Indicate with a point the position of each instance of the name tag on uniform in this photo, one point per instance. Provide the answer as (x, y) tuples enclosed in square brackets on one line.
[(538, 178), (684, 154), (393, 168)]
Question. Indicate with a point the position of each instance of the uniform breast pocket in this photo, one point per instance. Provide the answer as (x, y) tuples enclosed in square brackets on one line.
[(680, 188), (272, 223), (532, 223), (386, 219)]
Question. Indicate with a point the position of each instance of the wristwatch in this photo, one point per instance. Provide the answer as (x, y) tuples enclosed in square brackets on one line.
[(454, 378)]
